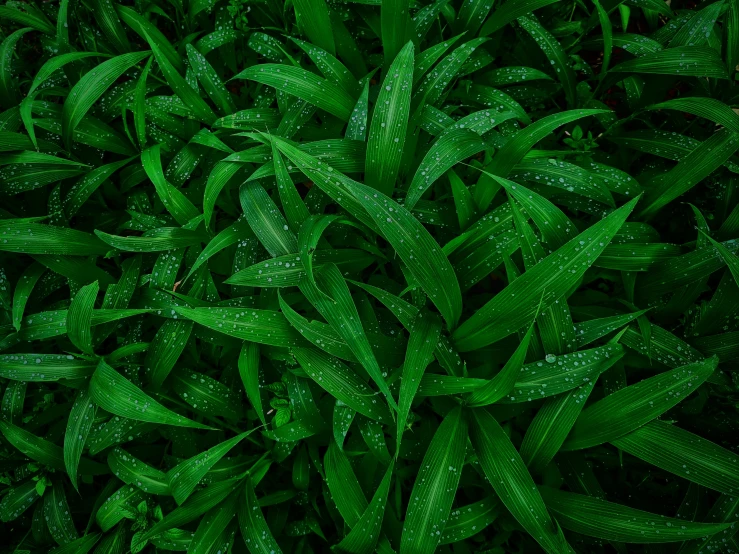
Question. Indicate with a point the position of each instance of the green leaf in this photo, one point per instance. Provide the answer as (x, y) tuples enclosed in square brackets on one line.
[(212, 532), (636, 405), (541, 286), (419, 251), (79, 546), (57, 514), (469, 520), (253, 526), (509, 12), (450, 149), (434, 487), (424, 336), (504, 382), (79, 317), (516, 148), (9, 85), (19, 498), (78, 428), (155, 240), (165, 349), (23, 290), (249, 372), (388, 128), (266, 221), (293, 206), (260, 326), (24, 18), (363, 537), (176, 203), (683, 454), (692, 169), (185, 476), (133, 471), (339, 310), (707, 108), (210, 80), (686, 61), (116, 394), (506, 472), (341, 382), (556, 55), (314, 19), (35, 238), (594, 517), (91, 87), (41, 368), (305, 85), (551, 425), (395, 25)]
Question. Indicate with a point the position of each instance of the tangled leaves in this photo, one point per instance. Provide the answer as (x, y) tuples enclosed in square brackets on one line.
[(373, 276)]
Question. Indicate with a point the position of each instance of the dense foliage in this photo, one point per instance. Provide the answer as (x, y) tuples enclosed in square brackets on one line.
[(369, 276)]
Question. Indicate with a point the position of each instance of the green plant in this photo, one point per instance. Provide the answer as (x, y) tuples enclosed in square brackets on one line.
[(369, 277)]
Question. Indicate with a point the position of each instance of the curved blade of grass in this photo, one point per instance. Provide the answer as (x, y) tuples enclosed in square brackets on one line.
[(594, 517), (57, 62), (341, 382), (556, 55), (301, 83), (185, 476), (292, 204), (551, 425), (515, 149), (341, 313), (249, 372), (388, 127), (156, 240), (434, 487), (343, 485), (395, 27), (110, 25), (254, 529), (363, 537), (88, 90), (692, 169), (23, 290), (266, 220), (510, 11), (638, 404), (314, 20), (541, 285), (79, 317), (78, 428), (151, 34), (57, 514), (683, 454), (210, 80), (449, 150), (133, 471), (419, 251), (9, 83), (229, 236), (174, 201), (502, 384), (508, 475), (116, 394), (260, 326), (209, 535), (424, 337), (39, 368), (165, 349), (686, 61)]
